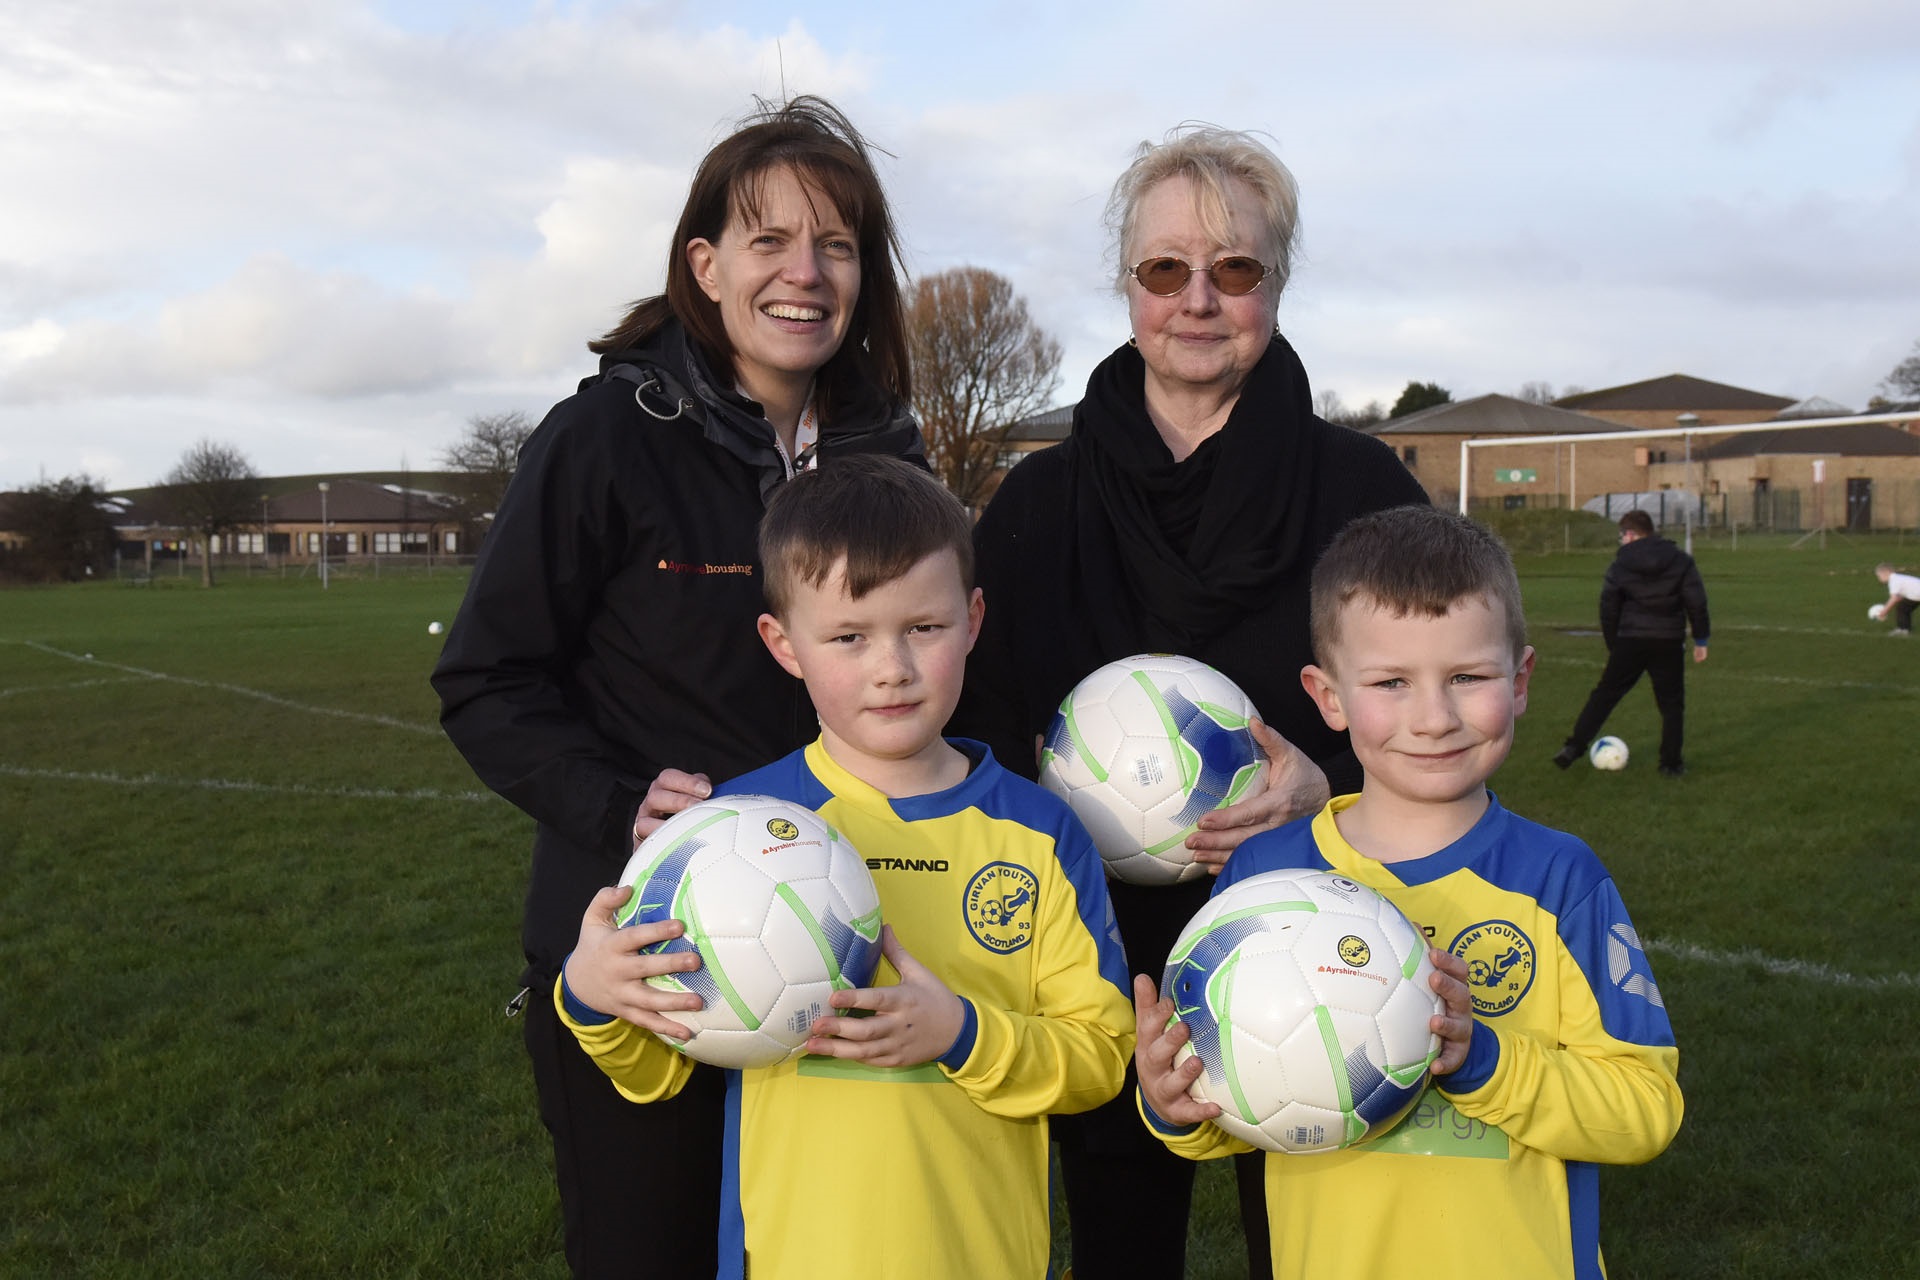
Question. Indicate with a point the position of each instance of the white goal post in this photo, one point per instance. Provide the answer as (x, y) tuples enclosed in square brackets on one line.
[(1661, 433)]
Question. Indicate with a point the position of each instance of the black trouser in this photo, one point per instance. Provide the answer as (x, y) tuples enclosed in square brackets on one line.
[(1127, 1195), (1664, 662), (1128, 1210), (1903, 613), (627, 1173)]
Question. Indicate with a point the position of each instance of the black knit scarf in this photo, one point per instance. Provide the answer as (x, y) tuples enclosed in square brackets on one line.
[(1174, 552)]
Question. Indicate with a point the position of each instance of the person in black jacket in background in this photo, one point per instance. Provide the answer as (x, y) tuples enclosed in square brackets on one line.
[(1651, 595), (604, 669)]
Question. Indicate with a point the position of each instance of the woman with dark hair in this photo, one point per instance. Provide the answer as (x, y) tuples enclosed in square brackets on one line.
[(1183, 514), (603, 670)]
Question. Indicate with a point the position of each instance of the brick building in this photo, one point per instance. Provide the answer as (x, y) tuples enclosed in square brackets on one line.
[(1546, 474)]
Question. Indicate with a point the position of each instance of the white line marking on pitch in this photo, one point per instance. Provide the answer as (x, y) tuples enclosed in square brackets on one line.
[(242, 690), (236, 784), (62, 688), (1587, 629), (1748, 957), (1680, 950), (1756, 678)]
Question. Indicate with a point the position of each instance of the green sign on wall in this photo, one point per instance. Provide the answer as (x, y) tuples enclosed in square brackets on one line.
[(1515, 475)]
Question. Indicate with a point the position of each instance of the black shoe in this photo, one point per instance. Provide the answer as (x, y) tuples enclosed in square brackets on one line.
[(1565, 757), (1673, 771)]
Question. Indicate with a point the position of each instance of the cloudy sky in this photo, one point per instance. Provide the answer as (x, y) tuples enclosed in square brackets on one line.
[(327, 233)]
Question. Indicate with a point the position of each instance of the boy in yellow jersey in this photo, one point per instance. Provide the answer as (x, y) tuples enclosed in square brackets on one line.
[(911, 1138), (1567, 1060)]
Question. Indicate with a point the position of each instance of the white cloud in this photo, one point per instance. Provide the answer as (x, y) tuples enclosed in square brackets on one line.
[(329, 231)]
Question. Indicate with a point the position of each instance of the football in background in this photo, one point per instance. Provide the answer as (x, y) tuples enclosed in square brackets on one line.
[(1607, 753), (1307, 996), (1875, 612), (1141, 749), (781, 909)]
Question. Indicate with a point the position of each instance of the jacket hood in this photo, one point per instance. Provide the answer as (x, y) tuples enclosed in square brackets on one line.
[(1650, 555), (673, 379)]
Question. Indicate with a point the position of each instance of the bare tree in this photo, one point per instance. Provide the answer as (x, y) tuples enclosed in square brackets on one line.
[(483, 460), (1332, 409), (1902, 385), (212, 490), (980, 366), (1536, 392)]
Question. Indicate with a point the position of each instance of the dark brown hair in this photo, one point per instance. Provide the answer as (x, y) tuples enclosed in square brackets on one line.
[(1637, 521), (1413, 560), (878, 513), (809, 136)]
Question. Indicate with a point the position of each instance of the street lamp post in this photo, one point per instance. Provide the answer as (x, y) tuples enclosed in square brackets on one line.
[(323, 535)]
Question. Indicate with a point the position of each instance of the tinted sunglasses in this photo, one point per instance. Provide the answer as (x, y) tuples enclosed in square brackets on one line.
[(1233, 275)]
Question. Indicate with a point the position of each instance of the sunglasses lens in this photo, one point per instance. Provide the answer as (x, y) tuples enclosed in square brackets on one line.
[(1162, 276), (1235, 276)]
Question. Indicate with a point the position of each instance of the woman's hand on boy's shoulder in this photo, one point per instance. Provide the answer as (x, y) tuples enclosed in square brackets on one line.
[(669, 793)]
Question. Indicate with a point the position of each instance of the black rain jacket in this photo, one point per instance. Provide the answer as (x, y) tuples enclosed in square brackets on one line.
[(608, 630), (1652, 592)]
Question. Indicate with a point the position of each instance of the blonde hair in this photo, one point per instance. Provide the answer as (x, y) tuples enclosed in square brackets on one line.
[(1209, 157)]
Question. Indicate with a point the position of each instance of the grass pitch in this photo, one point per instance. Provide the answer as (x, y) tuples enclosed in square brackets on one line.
[(259, 922)]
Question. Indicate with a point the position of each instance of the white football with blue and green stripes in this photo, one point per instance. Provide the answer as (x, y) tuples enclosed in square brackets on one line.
[(780, 908), (1142, 748), (1308, 999)]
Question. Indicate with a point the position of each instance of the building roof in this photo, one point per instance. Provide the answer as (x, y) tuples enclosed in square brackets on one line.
[(1861, 440), (1492, 415), (1051, 426), (143, 510), (1813, 407), (357, 500), (1676, 391)]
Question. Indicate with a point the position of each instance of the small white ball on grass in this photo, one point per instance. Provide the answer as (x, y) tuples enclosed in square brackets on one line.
[(1875, 612), (1607, 754), (434, 628)]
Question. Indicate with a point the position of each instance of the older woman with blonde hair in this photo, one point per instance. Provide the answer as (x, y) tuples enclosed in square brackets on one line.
[(1183, 514)]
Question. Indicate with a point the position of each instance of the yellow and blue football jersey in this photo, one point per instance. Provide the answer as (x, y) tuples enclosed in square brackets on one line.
[(938, 1171), (1572, 1065)]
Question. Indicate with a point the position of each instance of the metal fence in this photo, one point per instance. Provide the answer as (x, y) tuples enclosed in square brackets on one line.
[(180, 564), (1887, 506)]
